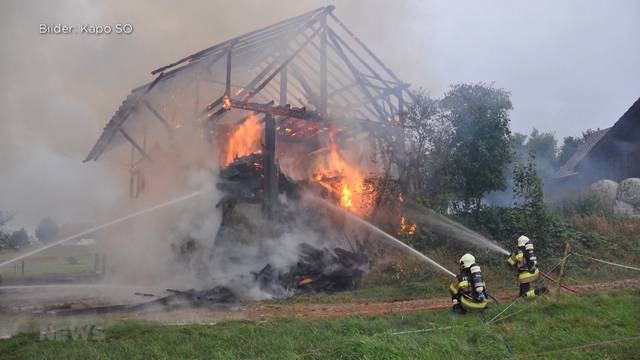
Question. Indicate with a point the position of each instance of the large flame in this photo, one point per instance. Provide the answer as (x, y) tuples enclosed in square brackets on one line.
[(245, 139), (345, 181)]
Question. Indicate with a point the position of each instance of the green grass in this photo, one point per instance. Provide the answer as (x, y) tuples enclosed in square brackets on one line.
[(540, 327)]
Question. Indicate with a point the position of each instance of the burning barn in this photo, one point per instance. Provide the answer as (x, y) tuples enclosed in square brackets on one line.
[(302, 104)]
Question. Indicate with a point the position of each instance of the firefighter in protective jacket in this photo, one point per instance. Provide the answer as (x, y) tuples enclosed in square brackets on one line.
[(468, 290), (525, 261)]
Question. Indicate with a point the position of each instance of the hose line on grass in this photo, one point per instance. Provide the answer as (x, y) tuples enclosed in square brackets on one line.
[(609, 262)]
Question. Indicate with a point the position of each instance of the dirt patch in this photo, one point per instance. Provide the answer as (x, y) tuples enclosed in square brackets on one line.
[(268, 310)]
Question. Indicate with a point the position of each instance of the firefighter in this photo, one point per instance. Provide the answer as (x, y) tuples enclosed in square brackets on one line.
[(524, 259), (468, 291)]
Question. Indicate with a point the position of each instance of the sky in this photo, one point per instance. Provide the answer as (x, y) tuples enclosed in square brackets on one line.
[(569, 66)]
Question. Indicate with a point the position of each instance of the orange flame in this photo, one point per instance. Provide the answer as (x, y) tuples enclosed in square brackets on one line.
[(345, 199), (406, 228), (245, 139), (345, 181)]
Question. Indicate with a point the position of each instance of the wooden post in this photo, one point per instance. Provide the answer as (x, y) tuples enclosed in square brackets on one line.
[(567, 248), (270, 171), (22, 268)]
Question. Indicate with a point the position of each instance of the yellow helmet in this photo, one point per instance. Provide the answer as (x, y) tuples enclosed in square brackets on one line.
[(467, 260), (522, 241)]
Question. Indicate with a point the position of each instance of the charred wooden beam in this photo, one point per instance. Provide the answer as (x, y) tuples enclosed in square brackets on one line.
[(299, 75), (356, 74), (387, 83), (323, 65), (295, 90), (312, 67), (284, 111), (246, 36), (252, 89), (154, 82), (277, 71), (283, 76), (227, 88), (343, 89), (370, 53), (374, 74), (158, 116), (330, 74), (270, 169), (135, 144)]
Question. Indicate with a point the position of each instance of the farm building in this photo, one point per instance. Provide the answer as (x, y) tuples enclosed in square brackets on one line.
[(612, 153)]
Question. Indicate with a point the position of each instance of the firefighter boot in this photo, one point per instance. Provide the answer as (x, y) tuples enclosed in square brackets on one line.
[(541, 290), (457, 308)]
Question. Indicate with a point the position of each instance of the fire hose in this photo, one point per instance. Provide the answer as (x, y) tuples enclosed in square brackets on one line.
[(610, 263), (492, 298), (556, 282)]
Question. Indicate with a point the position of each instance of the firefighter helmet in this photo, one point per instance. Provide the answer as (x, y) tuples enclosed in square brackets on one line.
[(466, 261), (522, 241)]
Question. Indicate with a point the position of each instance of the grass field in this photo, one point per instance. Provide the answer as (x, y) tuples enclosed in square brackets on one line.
[(546, 329), (67, 260)]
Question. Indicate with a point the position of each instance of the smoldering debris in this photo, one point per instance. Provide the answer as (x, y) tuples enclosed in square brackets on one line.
[(243, 180), (257, 256), (318, 270)]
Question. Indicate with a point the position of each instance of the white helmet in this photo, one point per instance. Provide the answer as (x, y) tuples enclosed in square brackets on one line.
[(466, 261), (522, 241)]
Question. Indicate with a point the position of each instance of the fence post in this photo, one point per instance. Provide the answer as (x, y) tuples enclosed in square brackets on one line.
[(22, 268), (567, 248)]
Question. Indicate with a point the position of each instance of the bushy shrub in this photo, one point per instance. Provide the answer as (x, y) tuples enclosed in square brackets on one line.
[(400, 270), (584, 203), (18, 239)]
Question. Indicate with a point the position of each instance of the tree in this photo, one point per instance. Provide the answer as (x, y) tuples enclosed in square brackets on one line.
[(529, 196), (428, 136), (4, 235), (479, 114), (570, 145), (19, 239), (46, 230), (544, 146)]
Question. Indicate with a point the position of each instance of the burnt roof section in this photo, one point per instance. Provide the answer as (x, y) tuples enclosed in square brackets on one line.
[(569, 168), (327, 67)]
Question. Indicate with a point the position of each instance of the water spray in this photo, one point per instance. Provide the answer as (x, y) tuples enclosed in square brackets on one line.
[(379, 231), (100, 227), (430, 219)]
